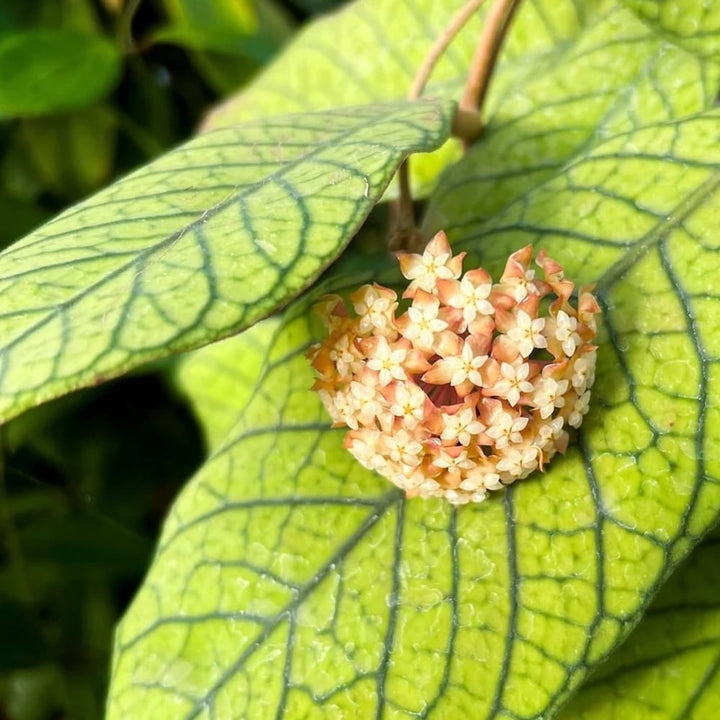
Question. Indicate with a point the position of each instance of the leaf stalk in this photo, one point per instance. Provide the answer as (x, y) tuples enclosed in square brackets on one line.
[(405, 235)]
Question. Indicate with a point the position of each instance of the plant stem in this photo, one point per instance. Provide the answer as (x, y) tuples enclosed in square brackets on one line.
[(495, 27), (405, 235), (441, 45)]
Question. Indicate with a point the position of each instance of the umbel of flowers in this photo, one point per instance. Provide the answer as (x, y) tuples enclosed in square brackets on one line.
[(472, 387)]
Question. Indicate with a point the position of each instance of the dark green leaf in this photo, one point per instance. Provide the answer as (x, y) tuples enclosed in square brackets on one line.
[(255, 29), (48, 71)]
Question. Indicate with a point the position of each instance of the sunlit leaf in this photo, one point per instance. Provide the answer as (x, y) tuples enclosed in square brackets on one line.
[(691, 24), (201, 243), (370, 51), (291, 583), (46, 71), (615, 77), (669, 668)]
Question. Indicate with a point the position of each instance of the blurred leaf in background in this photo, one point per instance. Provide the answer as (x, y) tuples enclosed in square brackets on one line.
[(54, 70)]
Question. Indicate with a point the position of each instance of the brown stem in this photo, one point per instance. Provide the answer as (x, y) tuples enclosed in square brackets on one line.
[(405, 235), (497, 22), (441, 45)]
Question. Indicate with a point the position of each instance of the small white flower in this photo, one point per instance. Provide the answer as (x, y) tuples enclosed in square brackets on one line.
[(454, 464), (374, 310), (403, 448), (581, 407), (472, 299), (510, 462), (409, 404), (366, 401), (467, 366), (346, 357), (565, 332), (513, 382), (583, 370), (461, 426), (522, 286), (387, 362), (551, 430), (424, 323), (550, 395), (506, 428), (364, 449), (527, 333)]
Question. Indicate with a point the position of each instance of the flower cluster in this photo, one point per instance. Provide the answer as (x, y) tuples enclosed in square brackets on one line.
[(473, 386)]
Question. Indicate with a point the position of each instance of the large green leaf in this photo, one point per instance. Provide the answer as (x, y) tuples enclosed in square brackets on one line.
[(199, 244), (290, 582), (616, 76), (45, 71), (694, 25), (669, 668), (371, 49), (328, 64)]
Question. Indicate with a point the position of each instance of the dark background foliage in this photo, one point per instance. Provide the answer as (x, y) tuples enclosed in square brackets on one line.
[(85, 481)]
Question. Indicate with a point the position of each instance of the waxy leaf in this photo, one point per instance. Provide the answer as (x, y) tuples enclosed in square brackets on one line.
[(201, 243), (329, 65), (616, 76), (254, 28), (46, 71), (669, 667), (694, 25), (291, 583), (353, 56)]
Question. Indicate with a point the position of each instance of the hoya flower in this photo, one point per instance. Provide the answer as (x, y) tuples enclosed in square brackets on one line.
[(473, 386)]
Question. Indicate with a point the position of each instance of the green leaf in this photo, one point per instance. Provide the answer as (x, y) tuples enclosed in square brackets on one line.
[(669, 667), (253, 28), (199, 244), (289, 582), (48, 71), (616, 76), (691, 24), (231, 39), (355, 56), (72, 153)]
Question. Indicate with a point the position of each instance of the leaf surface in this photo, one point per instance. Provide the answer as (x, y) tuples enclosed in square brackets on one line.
[(289, 582), (614, 77), (51, 70), (357, 55), (201, 243), (669, 668), (693, 25)]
